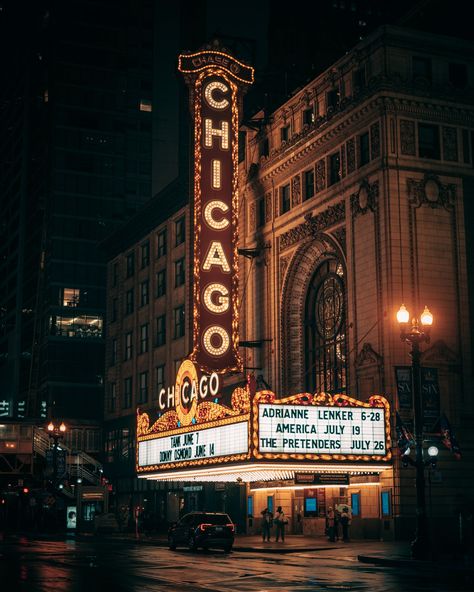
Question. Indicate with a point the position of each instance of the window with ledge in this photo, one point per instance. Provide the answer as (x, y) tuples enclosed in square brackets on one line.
[(421, 68), (160, 331), (160, 378), (458, 75), (145, 255), (113, 351), (284, 133), (144, 292), (115, 273), (364, 149), (160, 283), (81, 326), (332, 99), (114, 315), (179, 272), (130, 264), (179, 320), (128, 345), (70, 297), (285, 202), (112, 397), (260, 212), (308, 184), (263, 147), (308, 116), (358, 80), (180, 231), (162, 243), (129, 301), (127, 393), (428, 141), (146, 106), (143, 387), (334, 166), (144, 338)]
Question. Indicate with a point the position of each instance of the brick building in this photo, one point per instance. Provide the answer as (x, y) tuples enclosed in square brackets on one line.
[(355, 198)]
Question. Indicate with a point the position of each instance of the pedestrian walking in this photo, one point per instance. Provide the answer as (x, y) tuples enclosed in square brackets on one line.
[(330, 520), (280, 521), (345, 522), (267, 523)]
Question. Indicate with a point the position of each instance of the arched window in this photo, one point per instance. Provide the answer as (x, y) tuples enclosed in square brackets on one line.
[(325, 330)]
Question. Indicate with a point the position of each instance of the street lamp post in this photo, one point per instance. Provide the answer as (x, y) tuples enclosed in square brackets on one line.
[(415, 335), (55, 432)]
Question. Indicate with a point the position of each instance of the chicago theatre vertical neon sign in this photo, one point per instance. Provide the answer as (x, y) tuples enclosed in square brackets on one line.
[(216, 81)]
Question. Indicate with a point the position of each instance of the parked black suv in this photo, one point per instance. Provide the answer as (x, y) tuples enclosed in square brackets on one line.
[(202, 529)]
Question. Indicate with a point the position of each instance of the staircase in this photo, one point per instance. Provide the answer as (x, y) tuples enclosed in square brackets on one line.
[(78, 464)]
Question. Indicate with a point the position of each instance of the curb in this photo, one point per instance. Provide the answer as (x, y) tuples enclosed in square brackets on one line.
[(417, 564)]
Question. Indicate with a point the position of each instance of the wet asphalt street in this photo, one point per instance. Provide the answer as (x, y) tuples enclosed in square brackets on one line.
[(105, 565)]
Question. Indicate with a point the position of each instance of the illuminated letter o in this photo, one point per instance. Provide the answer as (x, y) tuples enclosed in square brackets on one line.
[(214, 384), (224, 337)]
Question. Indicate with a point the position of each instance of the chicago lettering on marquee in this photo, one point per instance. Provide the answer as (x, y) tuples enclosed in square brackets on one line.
[(216, 81), (196, 428)]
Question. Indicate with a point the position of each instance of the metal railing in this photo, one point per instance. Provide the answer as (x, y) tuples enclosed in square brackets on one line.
[(78, 463)]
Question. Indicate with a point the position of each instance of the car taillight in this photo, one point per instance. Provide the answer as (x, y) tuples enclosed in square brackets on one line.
[(204, 526), (231, 526)]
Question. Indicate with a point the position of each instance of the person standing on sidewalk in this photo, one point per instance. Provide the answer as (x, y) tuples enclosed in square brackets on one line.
[(345, 522), (267, 523), (280, 521), (331, 517)]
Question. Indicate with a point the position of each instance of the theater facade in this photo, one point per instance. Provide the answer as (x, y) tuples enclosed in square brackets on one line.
[(347, 201)]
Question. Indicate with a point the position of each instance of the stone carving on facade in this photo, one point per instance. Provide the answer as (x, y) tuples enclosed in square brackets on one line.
[(252, 217), (340, 235), (350, 146), (432, 192), (375, 140), (365, 199), (268, 206), (320, 175), (283, 266), (295, 190), (368, 357), (440, 355), (407, 137), (313, 225), (450, 144)]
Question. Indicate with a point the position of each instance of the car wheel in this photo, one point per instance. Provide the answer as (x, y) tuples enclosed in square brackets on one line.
[(191, 543), (228, 549), (171, 543)]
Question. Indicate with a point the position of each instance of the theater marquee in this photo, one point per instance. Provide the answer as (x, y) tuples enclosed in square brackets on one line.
[(216, 82), (208, 436)]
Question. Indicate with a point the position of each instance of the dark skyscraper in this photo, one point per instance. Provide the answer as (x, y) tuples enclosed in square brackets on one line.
[(75, 154)]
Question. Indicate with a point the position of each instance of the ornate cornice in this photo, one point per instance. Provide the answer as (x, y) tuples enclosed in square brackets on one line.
[(313, 225), (422, 105)]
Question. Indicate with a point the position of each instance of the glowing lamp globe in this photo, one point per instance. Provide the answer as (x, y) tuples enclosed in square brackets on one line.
[(403, 316), (426, 318)]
